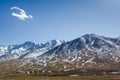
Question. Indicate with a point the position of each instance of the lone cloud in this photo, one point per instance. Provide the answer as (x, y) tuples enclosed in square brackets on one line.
[(21, 15)]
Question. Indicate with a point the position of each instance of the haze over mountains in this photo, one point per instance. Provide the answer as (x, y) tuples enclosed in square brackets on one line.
[(88, 52)]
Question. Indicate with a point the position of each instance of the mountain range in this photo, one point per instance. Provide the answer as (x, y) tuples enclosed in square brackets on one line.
[(27, 49), (88, 54)]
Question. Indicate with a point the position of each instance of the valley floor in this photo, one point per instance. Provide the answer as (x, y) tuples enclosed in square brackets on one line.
[(27, 77)]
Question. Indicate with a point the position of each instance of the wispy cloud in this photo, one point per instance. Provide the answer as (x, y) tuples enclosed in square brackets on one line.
[(22, 14)]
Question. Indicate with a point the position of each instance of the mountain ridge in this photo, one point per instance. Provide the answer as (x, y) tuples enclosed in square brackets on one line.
[(30, 49)]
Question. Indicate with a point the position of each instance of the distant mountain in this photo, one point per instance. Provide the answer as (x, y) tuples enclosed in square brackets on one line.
[(42, 49), (26, 50)]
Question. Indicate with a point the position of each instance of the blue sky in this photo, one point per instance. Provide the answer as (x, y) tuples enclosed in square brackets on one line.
[(58, 19)]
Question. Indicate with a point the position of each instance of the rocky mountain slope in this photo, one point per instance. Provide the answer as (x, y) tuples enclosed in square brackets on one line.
[(89, 45)]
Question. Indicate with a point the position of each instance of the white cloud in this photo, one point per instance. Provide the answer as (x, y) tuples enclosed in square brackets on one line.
[(21, 15)]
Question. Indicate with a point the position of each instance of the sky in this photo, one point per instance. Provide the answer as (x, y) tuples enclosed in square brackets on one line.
[(43, 20)]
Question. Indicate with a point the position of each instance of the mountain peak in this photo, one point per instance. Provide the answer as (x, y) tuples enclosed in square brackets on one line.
[(53, 43), (56, 41), (91, 35), (28, 42)]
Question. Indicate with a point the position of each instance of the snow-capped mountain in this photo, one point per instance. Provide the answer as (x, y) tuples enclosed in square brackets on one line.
[(42, 49), (3, 50), (26, 50), (89, 46), (102, 47)]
